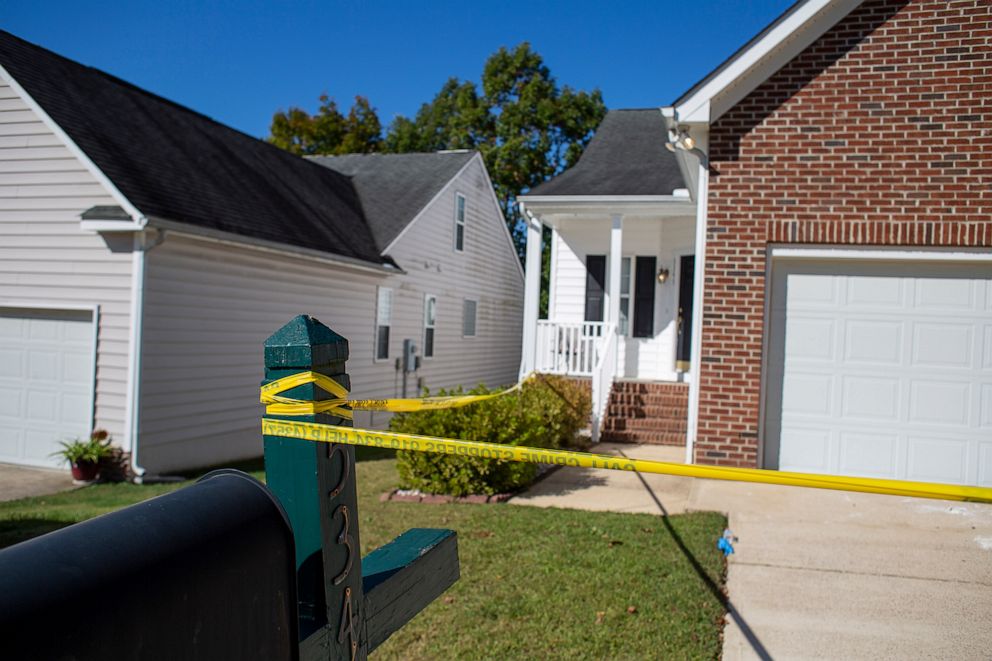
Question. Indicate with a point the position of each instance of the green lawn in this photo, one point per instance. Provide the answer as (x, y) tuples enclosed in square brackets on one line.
[(534, 582)]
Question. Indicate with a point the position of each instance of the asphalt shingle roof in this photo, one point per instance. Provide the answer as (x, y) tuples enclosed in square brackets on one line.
[(176, 164), (393, 188), (626, 156)]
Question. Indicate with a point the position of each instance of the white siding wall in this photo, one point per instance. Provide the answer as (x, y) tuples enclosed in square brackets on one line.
[(209, 307), (486, 271), (666, 239), (44, 257)]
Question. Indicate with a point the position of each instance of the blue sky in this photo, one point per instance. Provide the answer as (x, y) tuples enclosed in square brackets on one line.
[(240, 61)]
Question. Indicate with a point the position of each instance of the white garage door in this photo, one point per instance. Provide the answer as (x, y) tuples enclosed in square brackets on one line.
[(881, 369), (46, 382)]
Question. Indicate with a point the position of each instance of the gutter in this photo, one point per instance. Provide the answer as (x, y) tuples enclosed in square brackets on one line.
[(388, 266)]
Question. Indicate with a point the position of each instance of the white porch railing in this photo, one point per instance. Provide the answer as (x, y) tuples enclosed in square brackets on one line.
[(602, 378), (570, 348)]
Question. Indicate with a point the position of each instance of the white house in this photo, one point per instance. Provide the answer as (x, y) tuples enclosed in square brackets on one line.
[(839, 228), (146, 252), (620, 298)]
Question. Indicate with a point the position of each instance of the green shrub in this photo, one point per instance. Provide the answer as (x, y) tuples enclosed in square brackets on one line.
[(547, 412)]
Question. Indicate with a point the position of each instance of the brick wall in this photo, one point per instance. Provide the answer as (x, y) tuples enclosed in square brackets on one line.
[(879, 133)]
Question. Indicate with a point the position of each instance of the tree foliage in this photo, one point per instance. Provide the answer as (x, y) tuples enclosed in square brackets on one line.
[(527, 127), (328, 131)]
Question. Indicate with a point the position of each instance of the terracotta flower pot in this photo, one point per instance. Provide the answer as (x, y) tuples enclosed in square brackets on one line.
[(84, 471)]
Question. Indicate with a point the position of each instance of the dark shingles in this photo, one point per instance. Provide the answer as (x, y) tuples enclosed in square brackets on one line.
[(627, 156), (179, 165), (394, 188)]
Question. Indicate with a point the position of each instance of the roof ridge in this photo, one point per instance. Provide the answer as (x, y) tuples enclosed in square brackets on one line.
[(152, 95)]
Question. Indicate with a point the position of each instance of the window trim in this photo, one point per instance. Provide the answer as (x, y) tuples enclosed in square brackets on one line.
[(460, 223), (475, 322), (376, 325), (433, 326)]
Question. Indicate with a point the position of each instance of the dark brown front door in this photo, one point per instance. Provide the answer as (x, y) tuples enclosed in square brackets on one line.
[(687, 267)]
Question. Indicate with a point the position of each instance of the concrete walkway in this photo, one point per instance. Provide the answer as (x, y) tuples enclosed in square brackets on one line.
[(21, 482), (821, 574)]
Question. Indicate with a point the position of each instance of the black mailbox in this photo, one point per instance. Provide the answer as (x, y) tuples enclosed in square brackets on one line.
[(206, 572)]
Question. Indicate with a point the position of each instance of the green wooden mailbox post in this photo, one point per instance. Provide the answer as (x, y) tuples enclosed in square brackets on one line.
[(348, 605)]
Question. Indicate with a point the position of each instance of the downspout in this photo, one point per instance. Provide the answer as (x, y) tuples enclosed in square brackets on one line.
[(140, 246)]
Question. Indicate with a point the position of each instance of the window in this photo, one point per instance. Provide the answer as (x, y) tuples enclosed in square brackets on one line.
[(595, 286), (624, 325), (646, 269), (430, 314), (459, 222), (383, 319), (468, 318)]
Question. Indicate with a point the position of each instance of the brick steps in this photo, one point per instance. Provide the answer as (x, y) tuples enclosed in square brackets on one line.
[(644, 412)]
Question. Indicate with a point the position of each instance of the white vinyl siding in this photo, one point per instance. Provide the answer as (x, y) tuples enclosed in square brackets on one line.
[(383, 320), (459, 222), (487, 271), (208, 311), (46, 260)]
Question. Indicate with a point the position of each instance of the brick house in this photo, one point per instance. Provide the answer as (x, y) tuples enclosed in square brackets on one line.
[(839, 164)]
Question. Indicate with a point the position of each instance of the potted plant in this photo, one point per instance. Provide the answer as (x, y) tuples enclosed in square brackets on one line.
[(84, 456)]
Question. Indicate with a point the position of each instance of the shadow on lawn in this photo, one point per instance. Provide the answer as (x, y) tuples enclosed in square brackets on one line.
[(714, 589)]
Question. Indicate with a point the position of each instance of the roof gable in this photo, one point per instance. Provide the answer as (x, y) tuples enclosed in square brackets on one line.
[(626, 156), (173, 163), (787, 36), (395, 188)]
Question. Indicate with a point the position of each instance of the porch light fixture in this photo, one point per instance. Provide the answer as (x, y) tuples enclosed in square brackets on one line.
[(663, 276), (680, 139)]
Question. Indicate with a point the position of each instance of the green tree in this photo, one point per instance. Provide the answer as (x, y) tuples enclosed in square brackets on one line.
[(527, 127), (327, 131)]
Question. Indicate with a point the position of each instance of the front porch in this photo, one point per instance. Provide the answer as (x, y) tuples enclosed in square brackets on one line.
[(620, 300)]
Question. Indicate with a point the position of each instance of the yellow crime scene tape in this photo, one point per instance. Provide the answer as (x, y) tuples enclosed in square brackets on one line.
[(342, 407), (310, 431)]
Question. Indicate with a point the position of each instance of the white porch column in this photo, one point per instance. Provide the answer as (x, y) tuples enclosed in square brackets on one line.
[(532, 293), (616, 255), (696, 341)]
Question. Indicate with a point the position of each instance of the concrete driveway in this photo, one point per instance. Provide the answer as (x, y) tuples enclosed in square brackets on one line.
[(21, 482), (821, 574)]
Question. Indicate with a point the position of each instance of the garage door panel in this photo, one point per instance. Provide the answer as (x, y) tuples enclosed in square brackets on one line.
[(985, 404), (806, 450), (812, 290), (880, 369), (873, 342), (871, 455), (985, 464), (870, 398), (947, 294), (11, 364), (810, 339), (940, 402), (808, 394), (10, 402), (873, 292), (942, 345), (934, 459), (10, 441)]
